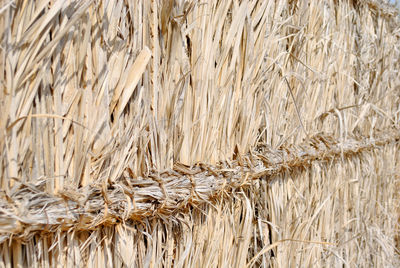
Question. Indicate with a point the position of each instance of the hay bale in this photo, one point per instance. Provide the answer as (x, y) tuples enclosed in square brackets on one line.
[(207, 134)]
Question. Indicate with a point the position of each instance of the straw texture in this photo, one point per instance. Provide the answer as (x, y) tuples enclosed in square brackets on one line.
[(164, 194), (208, 134)]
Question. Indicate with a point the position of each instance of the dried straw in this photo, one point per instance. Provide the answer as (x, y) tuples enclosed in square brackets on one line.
[(205, 134)]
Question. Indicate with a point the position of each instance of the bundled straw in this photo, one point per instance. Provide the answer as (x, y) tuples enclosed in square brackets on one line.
[(186, 133), (164, 194)]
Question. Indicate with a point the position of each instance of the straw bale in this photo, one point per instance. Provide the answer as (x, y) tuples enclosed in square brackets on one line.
[(206, 134)]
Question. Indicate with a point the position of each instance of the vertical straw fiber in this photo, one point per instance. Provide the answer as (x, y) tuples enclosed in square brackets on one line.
[(199, 134)]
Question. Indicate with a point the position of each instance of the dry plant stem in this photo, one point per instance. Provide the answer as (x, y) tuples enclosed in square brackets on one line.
[(318, 216), (194, 83), (150, 133), (166, 193)]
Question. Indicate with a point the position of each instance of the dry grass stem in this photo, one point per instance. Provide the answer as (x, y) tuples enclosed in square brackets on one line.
[(199, 134)]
